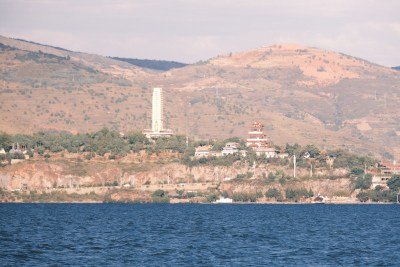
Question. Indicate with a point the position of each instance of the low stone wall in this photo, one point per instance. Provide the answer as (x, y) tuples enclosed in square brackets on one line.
[(180, 186), (83, 190)]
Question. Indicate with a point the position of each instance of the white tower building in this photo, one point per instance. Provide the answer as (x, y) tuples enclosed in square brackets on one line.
[(157, 117), (157, 113)]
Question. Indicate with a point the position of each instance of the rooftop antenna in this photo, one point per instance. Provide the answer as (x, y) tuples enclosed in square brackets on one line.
[(365, 169), (294, 165)]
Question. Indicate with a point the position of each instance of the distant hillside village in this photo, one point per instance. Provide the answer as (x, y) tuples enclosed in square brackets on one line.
[(256, 140)]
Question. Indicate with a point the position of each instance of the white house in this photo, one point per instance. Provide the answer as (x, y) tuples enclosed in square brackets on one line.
[(380, 180), (269, 152), (283, 155), (202, 151), (230, 149)]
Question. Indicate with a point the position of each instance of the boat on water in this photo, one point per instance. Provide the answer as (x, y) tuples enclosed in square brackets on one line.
[(224, 200)]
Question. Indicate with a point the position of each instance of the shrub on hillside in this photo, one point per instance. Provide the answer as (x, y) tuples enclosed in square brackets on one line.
[(160, 196), (394, 183), (362, 182), (297, 194), (244, 197), (274, 193)]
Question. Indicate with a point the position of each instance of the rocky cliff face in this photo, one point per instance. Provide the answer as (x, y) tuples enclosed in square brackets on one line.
[(76, 175)]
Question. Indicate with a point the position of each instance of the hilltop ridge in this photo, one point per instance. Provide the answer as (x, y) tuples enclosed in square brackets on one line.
[(162, 65), (319, 67)]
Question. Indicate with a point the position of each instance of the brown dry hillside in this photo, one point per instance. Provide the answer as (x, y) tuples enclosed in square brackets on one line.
[(301, 94)]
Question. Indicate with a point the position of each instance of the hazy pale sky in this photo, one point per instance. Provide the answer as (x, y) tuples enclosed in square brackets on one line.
[(193, 30)]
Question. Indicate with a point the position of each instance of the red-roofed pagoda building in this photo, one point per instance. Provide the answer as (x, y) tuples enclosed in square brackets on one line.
[(259, 142), (256, 136)]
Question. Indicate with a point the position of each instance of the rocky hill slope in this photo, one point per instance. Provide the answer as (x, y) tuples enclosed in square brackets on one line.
[(136, 176), (301, 94)]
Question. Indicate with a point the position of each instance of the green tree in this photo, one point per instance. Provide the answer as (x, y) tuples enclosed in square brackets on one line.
[(357, 171), (394, 183), (363, 182), (159, 193), (212, 197), (297, 194), (274, 193), (380, 194), (244, 197), (282, 180), (40, 150), (218, 145), (174, 143), (137, 137), (345, 159), (160, 196), (17, 156), (271, 177), (312, 150), (106, 141), (23, 140), (292, 149), (5, 141), (179, 192), (363, 196)]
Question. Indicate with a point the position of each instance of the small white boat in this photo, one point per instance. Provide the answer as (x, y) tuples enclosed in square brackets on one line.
[(224, 200)]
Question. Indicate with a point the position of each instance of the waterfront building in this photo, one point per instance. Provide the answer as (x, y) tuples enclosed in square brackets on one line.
[(383, 172), (388, 168)]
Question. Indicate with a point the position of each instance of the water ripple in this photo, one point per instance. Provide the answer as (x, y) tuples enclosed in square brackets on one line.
[(200, 235)]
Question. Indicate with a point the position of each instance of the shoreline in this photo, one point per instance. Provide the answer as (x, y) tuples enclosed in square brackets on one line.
[(192, 203)]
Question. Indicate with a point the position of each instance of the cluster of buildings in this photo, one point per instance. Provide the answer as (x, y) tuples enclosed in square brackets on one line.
[(230, 148), (256, 140), (383, 172), (16, 149)]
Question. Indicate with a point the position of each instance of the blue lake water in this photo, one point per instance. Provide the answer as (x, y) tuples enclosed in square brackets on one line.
[(199, 235)]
